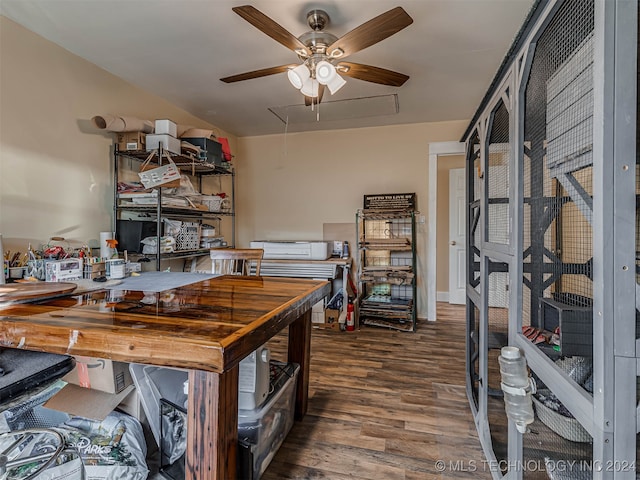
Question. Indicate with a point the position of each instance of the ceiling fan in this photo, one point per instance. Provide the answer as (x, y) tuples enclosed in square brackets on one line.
[(322, 53)]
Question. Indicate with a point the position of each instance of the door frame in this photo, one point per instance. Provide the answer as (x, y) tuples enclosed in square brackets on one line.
[(437, 151)]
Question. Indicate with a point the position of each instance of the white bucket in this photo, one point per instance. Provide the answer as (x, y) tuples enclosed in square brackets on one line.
[(115, 268)]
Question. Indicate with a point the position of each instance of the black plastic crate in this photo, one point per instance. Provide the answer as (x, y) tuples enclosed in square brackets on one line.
[(575, 322), (211, 149)]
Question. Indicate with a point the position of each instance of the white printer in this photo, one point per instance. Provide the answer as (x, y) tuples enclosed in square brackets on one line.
[(294, 250)]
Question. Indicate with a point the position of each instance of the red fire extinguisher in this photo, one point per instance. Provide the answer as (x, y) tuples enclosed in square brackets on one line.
[(350, 321)]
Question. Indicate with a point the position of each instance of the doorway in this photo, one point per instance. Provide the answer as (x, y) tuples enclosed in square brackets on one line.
[(440, 161)]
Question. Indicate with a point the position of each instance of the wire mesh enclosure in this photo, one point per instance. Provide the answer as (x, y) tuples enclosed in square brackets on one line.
[(553, 230), (474, 179), (637, 228), (498, 159), (473, 353), (558, 157), (497, 337)]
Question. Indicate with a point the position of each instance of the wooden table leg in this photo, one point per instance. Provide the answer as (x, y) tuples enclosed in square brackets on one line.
[(300, 353), (212, 425)]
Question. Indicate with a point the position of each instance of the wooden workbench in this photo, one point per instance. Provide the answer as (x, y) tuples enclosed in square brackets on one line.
[(207, 327)]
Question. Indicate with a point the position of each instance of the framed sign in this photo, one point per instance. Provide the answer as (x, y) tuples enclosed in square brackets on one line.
[(390, 201)]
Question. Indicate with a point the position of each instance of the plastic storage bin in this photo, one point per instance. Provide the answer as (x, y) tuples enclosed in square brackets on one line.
[(154, 383), (260, 431)]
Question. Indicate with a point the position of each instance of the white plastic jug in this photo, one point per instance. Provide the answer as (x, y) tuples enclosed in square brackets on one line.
[(517, 387)]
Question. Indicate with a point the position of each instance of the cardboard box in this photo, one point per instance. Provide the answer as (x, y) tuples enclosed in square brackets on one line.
[(95, 270), (131, 141), (86, 402), (100, 374), (63, 270), (166, 126), (168, 142), (95, 388), (331, 320)]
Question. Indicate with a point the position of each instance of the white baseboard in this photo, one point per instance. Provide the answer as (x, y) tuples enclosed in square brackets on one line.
[(442, 297), (424, 319)]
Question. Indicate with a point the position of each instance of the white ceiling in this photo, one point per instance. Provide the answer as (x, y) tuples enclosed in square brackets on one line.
[(179, 49)]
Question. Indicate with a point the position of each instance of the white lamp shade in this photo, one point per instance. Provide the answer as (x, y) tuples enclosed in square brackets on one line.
[(310, 88), (325, 72), (336, 84), (297, 76)]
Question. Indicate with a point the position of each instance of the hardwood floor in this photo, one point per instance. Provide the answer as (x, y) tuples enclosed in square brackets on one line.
[(385, 405)]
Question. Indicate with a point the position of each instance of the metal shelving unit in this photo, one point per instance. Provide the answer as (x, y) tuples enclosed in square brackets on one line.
[(552, 240), (196, 170), (386, 270)]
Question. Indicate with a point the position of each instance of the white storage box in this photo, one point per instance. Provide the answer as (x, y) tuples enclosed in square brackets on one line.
[(168, 142), (207, 231), (63, 270), (317, 312), (166, 126)]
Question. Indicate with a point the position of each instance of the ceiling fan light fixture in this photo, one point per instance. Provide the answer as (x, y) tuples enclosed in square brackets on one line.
[(321, 52), (336, 84), (297, 76), (325, 72), (310, 88)]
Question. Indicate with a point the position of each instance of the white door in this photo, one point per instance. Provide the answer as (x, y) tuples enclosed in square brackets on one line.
[(457, 256)]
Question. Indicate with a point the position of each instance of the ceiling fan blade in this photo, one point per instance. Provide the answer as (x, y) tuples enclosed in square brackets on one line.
[(269, 27), (373, 74), (258, 73), (309, 100), (371, 32)]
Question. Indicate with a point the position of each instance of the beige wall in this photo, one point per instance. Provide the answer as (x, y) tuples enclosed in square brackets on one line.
[(445, 164), (290, 185), (55, 168)]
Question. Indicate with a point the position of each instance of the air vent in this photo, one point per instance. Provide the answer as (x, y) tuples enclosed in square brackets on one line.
[(338, 110)]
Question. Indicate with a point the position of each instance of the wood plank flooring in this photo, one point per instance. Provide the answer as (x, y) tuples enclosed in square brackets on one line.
[(384, 405)]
